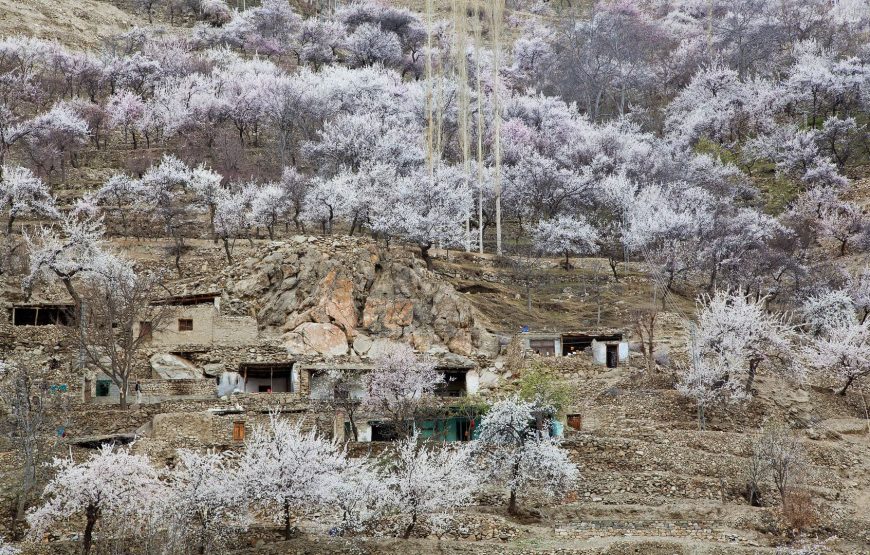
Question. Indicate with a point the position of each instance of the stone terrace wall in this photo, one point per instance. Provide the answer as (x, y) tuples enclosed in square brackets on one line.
[(648, 528), (159, 390)]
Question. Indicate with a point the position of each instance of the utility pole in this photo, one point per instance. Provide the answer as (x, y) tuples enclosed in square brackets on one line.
[(497, 17)]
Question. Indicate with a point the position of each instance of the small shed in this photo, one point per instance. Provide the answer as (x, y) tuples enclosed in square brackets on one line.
[(607, 348)]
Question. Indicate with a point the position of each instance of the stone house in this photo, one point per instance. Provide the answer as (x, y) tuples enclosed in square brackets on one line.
[(607, 348)]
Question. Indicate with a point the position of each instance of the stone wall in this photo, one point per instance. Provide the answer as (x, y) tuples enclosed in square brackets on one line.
[(643, 528), (209, 327), (159, 390)]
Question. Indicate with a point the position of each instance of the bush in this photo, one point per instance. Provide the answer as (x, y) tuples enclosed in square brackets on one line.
[(798, 511)]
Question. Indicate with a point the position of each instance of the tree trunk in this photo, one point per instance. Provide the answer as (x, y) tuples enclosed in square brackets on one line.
[(211, 210), (512, 504), (87, 539), (424, 254), (122, 394), (227, 250), (353, 428), (846, 386), (410, 527), (753, 368), (613, 263), (287, 529)]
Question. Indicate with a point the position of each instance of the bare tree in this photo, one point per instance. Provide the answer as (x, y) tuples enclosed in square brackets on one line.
[(34, 407), (644, 326), (776, 454), (785, 455), (342, 391), (118, 315)]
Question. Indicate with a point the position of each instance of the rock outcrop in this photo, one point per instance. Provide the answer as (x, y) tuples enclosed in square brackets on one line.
[(337, 296), (171, 367)]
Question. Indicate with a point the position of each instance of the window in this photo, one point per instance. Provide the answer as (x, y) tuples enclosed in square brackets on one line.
[(145, 331), (238, 431), (185, 324), (103, 387)]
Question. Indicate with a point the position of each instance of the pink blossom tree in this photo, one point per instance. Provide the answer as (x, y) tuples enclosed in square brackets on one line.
[(126, 111), (56, 134)]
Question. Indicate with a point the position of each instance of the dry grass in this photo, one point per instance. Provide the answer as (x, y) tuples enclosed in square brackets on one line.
[(80, 24), (560, 299)]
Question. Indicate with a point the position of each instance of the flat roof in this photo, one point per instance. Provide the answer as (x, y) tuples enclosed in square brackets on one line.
[(185, 300)]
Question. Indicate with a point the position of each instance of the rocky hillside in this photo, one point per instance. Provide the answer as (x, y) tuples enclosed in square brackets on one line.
[(80, 24), (338, 296)]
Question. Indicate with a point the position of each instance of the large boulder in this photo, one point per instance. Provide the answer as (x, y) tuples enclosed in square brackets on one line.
[(354, 285), (172, 367), (311, 339)]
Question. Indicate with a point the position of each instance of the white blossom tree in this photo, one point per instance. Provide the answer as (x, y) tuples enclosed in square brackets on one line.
[(163, 197), (6, 549), (705, 379), (566, 235), (111, 484), (207, 499), (285, 470), (827, 311), (119, 193), (206, 186), (75, 249), (842, 352), (743, 333), (269, 206), (359, 493), (23, 194), (232, 217), (520, 457), (426, 483), (399, 386)]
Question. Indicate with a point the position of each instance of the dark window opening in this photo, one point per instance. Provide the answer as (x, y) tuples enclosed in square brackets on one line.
[(188, 300), (545, 347), (185, 324), (267, 377), (612, 356), (453, 385), (103, 387), (383, 431), (145, 331), (578, 343), (59, 315)]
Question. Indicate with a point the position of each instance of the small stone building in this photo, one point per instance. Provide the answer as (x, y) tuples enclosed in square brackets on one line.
[(607, 348)]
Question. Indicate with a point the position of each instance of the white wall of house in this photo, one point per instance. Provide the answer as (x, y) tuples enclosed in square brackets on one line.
[(623, 350), (278, 384), (599, 353), (472, 382), (364, 431)]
